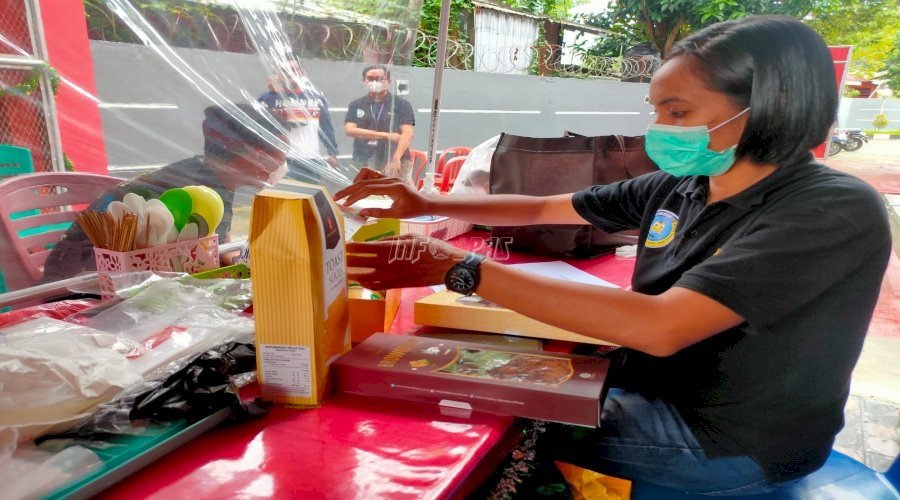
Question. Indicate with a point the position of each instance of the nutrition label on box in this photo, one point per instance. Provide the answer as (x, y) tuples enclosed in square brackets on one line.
[(286, 369)]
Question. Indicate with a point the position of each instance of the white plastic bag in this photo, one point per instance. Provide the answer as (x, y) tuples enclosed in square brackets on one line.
[(475, 175), (53, 374)]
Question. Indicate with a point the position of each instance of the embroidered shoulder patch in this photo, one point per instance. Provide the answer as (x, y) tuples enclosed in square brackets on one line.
[(662, 230), (360, 113)]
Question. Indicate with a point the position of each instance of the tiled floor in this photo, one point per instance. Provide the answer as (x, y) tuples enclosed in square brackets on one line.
[(871, 432), (872, 416)]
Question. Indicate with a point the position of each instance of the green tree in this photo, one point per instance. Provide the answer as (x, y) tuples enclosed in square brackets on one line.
[(556, 9), (664, 22), (624, 34), (880, 121), (892, 66), (870, 26)]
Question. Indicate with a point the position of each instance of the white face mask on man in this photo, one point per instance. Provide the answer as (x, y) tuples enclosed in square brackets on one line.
[(376, 87)]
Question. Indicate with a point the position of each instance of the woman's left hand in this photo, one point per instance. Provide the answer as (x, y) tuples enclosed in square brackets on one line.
[(406, 261)]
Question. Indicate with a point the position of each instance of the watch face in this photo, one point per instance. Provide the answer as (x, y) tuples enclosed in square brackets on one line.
[(461, 280)]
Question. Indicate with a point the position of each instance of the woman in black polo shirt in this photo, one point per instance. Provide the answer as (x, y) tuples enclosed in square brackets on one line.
[(756, 276)]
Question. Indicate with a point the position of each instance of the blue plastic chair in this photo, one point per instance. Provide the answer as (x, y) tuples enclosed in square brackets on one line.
[(841, 478)]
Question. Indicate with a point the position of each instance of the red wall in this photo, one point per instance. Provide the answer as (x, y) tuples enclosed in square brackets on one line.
[(69, 51), (841, 57)]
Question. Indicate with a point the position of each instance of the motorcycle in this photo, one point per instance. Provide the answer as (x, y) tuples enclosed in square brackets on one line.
[(854, 138), (838, 142)]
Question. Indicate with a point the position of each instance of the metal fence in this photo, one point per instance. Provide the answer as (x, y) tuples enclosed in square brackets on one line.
[(22, 118), (27, 84), (14, 27)]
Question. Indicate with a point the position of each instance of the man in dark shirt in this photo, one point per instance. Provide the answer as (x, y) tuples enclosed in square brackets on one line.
[(237, 153), (381, 125)]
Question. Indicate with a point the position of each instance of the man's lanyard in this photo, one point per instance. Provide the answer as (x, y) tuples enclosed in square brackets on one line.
[(377, 116)]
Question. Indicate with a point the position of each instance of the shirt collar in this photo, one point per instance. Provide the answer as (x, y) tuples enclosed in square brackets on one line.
[(387, 98), (694, 187), (697, 187)]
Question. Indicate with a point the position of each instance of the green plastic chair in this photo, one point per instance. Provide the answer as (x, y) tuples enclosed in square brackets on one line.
[(53, 194), (15, 161)]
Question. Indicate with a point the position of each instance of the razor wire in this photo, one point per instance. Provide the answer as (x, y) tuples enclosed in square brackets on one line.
[(397, 44)]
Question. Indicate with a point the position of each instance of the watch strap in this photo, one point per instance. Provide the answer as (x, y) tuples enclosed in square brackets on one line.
[(472, 261)]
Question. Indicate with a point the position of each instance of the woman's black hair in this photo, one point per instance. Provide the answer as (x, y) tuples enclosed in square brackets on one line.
[(782, 70), (226, 134)]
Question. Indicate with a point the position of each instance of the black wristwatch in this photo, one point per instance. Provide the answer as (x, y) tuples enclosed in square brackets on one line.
[(463, 277)]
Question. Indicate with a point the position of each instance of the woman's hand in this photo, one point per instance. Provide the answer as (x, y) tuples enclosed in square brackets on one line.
[(407, 261), (407, 202)]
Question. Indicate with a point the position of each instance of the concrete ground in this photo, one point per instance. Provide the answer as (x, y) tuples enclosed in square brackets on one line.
[(872, 430)]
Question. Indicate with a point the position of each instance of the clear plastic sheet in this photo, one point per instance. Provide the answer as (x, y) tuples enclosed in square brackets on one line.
[(231, 95), (55, 310), (234, 95), (169, 318), (55, 373)]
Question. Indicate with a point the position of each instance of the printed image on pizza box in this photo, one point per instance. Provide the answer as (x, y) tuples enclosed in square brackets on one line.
[(300, 304), (553, 386)]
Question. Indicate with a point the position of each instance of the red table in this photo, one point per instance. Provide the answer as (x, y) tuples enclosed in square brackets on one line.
[(350, 447)]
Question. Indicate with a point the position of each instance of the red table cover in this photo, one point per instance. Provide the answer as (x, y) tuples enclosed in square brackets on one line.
[(351, 447)]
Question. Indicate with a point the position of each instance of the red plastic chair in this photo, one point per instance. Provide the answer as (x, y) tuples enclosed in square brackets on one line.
[(419, 160), (451, 170), (449, 153), (23, 253)]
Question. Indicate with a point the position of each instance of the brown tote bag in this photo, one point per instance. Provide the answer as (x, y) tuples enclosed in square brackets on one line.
[(558, 165)]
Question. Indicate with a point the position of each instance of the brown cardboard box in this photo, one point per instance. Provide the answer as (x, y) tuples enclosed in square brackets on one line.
[(299, 292), (370, 316), (466, 376), (445, 310)]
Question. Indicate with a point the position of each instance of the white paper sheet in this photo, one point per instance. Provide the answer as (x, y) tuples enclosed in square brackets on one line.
[(560, 270)]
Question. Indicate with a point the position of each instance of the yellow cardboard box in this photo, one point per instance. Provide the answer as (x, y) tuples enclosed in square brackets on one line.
[(368, 316), (444, 309), (299, 291)]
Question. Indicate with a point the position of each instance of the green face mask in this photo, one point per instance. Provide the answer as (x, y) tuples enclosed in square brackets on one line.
[(683, 151)]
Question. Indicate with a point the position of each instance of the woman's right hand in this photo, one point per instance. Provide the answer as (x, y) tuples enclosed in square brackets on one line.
[(407, 202)]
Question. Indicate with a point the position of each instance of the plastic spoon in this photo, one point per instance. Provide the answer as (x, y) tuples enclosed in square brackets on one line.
[(159, 221), (136, 204), (117, 210), (190, 232), (202, 225), (180, 204), (208, 205)]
